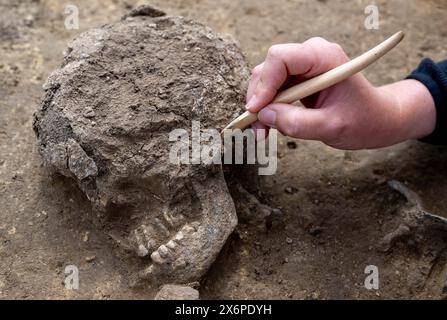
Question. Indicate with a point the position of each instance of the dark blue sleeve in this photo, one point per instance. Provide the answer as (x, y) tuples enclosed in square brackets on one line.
[(434, 77)]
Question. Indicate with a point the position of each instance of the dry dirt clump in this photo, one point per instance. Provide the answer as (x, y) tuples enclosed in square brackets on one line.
[(105, 121)]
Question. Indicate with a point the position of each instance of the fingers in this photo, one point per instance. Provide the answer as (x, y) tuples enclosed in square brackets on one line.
[(255, 76), (308, 59), (302, 123)]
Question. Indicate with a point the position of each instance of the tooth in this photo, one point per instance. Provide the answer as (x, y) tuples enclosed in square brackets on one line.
[(151, 244), (171, 244), (163, 251), (188, 228), (155, 256), (195, 225), (168, 218), (179, 236), (142, 251)]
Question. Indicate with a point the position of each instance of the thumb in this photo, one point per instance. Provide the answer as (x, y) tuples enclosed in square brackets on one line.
[(300, 122)]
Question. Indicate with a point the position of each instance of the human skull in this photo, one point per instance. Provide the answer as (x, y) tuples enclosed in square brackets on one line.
[(105, 121)]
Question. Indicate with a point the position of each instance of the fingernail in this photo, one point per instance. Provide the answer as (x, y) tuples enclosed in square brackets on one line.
[(251, 103), (267, 116)]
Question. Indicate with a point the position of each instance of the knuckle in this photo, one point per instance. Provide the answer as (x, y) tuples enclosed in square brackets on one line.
[(336, 47), (318, 41), (339, 51), (256, 71), (274, 51)]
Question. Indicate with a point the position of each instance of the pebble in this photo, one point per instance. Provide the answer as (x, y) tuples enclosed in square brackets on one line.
[(89, 113), (289, 240), (12, 231), (291, 145), (29, 20), (290, 190), (90, 258), (314, 231), (177, 292)]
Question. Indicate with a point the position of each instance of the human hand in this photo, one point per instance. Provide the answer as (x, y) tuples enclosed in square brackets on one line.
[(350, 115)]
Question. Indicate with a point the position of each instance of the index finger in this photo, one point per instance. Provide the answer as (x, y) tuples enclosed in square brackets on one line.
[(309, 59)]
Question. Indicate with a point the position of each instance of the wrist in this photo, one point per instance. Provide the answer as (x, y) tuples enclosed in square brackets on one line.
[(415, 112)]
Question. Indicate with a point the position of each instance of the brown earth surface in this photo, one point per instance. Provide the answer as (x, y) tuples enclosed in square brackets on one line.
[(337, 211)]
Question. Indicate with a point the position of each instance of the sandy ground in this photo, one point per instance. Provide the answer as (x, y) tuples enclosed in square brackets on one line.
[(340, 205)]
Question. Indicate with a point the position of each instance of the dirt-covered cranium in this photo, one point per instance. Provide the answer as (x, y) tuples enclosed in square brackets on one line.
[(105, 122)]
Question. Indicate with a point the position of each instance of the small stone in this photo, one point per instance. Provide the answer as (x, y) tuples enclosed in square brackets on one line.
[(289, 240), (177, 292), (89, 113), (286, 260), (29, 20), (290, 190), (315, 231), (12, 231), (142, 251), (90, 258), (291, 145)]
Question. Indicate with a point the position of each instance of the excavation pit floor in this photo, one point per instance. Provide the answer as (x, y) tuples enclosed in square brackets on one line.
[(335, 206)]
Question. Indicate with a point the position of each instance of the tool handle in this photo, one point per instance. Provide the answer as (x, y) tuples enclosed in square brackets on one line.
[(325, 80)]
